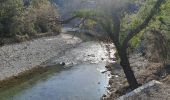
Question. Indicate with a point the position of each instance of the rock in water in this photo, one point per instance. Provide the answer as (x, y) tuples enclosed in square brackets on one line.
[(62, 63)]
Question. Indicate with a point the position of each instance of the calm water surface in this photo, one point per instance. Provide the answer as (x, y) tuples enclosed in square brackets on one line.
[(81, 82)]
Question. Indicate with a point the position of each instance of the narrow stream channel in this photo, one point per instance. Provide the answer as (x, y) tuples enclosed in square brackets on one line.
[(81, 82)]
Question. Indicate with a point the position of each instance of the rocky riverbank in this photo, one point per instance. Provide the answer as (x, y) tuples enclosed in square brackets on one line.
[(18, 58), (145, 71), (47, 51)]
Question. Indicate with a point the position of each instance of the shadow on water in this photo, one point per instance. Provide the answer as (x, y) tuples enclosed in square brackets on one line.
[(31, 76), (81, 82)]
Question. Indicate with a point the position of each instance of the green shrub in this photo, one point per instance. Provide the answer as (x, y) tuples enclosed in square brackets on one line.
[(37, 17)]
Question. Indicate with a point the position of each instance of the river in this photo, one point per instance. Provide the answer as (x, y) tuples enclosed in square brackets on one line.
[(81, 82)]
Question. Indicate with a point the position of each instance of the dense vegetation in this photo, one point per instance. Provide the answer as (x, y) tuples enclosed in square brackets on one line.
[(155, 37), (27, 18), (126, 22)]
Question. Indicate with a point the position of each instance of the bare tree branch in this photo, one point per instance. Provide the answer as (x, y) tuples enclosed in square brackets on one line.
[(81, 22), (116, 29)]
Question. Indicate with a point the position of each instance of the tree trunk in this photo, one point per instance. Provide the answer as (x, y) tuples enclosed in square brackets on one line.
[(128, 70)]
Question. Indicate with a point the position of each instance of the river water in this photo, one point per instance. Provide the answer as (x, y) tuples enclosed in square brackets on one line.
[(81, 82)]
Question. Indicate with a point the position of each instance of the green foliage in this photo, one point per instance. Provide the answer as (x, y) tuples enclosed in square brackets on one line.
[(134, 43), (37, 17), (162, 24), (41, 16), (129, 21), (9, 11)]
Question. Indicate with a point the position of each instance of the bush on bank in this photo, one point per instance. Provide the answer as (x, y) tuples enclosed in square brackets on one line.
[(26, 18)]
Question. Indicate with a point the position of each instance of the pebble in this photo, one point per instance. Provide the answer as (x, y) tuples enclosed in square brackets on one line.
[(116, 76)]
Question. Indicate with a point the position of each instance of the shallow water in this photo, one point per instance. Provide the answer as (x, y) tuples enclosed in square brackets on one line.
[(81, 82)]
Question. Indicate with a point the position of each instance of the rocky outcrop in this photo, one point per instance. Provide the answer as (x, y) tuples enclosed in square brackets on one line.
[(153, 90)]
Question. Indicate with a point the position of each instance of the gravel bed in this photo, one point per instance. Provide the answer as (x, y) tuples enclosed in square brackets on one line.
[(17, 58), (48, 51)]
